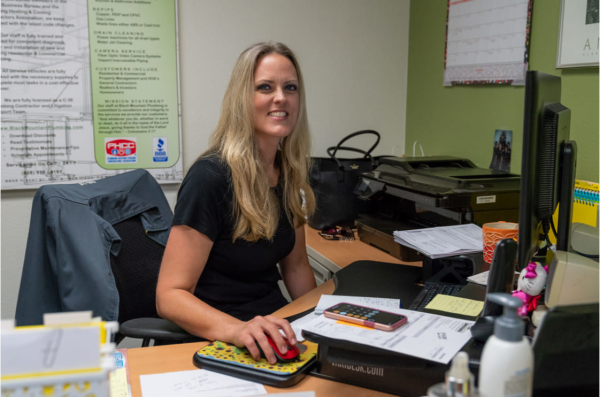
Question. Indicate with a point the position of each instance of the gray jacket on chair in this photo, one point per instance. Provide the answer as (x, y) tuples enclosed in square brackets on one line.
[(71, 237)]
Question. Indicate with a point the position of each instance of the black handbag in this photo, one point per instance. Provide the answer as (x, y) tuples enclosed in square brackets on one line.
[(333, 180)]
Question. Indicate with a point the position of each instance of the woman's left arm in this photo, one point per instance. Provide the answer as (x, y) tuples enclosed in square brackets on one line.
[(295, 269)]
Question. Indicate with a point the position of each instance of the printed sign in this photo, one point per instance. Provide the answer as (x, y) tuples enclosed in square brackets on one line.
[(486, 199), (159, 150), (120, 150)]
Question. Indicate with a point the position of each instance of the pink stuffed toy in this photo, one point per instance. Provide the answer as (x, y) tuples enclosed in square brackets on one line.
[(530, 285)]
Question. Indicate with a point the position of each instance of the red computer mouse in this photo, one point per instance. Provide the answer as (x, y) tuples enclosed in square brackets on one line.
[(292, 354)]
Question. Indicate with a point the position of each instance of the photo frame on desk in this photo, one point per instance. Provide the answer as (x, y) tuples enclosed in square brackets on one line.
[(578, 39)]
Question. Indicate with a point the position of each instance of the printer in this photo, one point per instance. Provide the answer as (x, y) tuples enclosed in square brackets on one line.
[(419, 192)]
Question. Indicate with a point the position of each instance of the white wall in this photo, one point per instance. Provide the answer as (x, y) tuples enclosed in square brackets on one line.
[(353, 54)]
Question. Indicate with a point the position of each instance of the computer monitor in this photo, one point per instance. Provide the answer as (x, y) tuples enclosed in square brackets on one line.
[(565, 350), (548, 166)]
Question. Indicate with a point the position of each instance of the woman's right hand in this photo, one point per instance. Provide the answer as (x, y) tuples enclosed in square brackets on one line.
[(252, 332)]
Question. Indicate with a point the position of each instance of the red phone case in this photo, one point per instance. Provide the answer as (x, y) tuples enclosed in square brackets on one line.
[(362, 321)]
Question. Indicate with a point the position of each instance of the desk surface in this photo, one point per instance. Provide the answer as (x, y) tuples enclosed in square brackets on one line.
[(161, 359), (343, 253)]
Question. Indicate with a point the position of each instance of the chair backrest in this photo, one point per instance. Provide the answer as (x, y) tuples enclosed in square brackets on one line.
[(75, 229), (135, 270)]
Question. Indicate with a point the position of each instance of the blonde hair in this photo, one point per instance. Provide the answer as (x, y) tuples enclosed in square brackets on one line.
[(255, 205)]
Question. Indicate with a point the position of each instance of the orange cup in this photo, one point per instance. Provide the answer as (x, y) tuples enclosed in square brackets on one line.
[(494, 232)]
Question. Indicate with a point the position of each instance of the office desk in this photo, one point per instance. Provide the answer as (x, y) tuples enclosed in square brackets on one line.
[(327, 257), (334, 255), (161, 359)]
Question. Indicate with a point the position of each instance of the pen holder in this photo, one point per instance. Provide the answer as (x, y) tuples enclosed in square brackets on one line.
[(494, 232)]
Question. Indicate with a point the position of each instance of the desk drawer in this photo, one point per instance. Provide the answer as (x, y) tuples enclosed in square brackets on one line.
[(321, 273)]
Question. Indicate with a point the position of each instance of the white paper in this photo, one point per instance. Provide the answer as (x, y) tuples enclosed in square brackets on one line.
[(8, 324), (67, 318), (293, 394), (298, 325), (427, 336), (481, 278), (327, 301), (198, 382), (443, 241), (34, 350)]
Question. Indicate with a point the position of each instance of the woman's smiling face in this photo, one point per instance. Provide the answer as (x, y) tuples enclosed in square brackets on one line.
[(276, 97)]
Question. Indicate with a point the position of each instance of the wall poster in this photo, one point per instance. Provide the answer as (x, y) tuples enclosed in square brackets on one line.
[(89, 89), (578, 39)]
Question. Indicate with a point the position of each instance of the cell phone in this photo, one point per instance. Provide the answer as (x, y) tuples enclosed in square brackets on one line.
[(366, 316)]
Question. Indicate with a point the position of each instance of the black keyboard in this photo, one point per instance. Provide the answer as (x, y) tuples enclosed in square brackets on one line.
[(429, 291)]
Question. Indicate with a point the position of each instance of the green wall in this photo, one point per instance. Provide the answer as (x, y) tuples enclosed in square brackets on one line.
[(461, 120)]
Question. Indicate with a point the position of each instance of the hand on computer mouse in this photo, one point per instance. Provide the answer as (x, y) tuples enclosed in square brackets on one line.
[(253, 334), (291, 354)]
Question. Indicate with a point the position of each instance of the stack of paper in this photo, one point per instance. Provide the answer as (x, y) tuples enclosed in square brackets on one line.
[(71, 353), (427, 336), (439, 242)]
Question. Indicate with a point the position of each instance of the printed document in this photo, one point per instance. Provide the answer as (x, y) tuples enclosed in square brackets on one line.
[(197, 383), (427, 336), (299, 324), (439, 242)]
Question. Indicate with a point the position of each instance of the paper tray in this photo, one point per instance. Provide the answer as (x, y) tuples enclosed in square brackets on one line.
[(380, 369), (235, 364), (369, 355), (374, 368)]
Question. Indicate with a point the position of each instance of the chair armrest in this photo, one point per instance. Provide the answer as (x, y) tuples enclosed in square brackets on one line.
[(157, 329)]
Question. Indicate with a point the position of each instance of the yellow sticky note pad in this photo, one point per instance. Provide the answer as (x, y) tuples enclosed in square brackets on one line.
[(453, 304), (118, 383)]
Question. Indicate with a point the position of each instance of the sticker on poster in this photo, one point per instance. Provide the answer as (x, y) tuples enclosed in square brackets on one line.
[(120, 150), (159, 150)]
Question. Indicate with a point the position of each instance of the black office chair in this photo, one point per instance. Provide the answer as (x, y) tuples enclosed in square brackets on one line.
[(135, 270)]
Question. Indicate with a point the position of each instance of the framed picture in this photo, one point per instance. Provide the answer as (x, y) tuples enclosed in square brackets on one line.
[(578, 38)]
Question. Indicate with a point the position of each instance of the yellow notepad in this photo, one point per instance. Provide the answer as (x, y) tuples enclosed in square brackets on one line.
[(585, 205), (455, 305)]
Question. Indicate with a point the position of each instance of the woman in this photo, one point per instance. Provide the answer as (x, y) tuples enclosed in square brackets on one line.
[(239, 211)]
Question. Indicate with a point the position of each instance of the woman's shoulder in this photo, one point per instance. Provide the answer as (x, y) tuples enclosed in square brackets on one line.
[(209, 169)]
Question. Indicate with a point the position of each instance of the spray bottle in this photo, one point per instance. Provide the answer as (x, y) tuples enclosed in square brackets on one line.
[(506, 367)]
